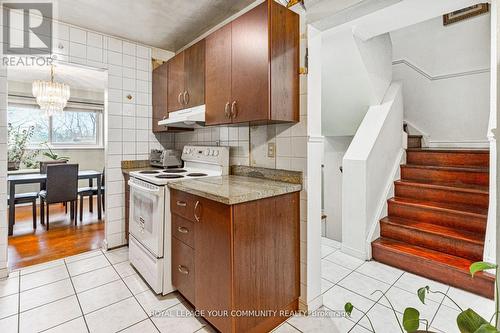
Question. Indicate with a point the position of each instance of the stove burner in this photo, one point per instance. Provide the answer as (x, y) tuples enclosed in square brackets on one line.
[(149, 172), (169, 176), (196, 174), (174, 170)]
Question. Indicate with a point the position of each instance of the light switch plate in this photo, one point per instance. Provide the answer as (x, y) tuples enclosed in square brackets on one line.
[(271, 149)]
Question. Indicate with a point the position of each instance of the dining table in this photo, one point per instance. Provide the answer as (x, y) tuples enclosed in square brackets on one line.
[(40, 178)]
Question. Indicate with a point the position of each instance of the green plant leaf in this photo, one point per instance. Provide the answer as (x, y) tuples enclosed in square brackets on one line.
[(422, 292), (348, 307), (486, 328), (411, 320), (469, 321), (481, 266)]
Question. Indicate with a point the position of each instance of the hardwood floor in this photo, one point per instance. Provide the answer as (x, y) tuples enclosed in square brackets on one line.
[(28, 247)]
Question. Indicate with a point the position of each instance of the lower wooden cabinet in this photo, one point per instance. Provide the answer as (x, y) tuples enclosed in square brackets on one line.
[(183, 273), (238, 265)]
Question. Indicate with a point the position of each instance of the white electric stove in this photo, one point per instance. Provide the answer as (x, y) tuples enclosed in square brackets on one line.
[(149, 218)]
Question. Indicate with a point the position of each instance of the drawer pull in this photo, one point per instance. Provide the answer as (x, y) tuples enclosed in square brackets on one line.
[(182, 269), (196, 217), (181, 203), (183, 230)]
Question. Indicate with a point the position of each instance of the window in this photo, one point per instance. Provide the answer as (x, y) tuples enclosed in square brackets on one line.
[(80, 125)]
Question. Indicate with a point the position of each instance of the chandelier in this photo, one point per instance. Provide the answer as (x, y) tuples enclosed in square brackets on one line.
[(51, 96)]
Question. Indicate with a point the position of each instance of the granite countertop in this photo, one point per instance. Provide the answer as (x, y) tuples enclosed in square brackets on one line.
[(129, 166), (231, 190)]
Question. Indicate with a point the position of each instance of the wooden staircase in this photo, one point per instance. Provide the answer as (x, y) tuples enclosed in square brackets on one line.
[(436, 222)]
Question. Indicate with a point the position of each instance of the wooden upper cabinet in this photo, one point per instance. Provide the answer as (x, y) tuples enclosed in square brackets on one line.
[(175, 82), (250, 62), (255, 61), (159, 92), (186, 78), (218, 77), (194, 75)]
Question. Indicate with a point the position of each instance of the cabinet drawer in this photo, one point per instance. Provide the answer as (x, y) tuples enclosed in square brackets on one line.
[(183, 269), (183, 204), (183, 230)]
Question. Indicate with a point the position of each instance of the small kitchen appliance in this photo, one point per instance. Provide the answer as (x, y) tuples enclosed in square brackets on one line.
[(164, 158)]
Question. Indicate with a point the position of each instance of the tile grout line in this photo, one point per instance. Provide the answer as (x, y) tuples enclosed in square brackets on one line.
[(76, 295), (69, 277), (50, 267), (439, 307), (148, 317), (377, 302)]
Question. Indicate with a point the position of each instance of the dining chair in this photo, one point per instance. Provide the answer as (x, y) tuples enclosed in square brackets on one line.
[(44, 164), (22, 198), (61, 186), (90, 192)]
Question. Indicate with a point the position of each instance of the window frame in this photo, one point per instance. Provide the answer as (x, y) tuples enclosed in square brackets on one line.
[(73, 106)]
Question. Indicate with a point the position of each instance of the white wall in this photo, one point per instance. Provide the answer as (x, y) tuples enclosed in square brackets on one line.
[(355, 75), (490, 254), (370, 165), (445, 70), (335, 148)]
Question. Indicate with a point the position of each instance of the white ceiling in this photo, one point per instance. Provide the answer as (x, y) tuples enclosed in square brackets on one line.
[(75, 77), (166, 24)]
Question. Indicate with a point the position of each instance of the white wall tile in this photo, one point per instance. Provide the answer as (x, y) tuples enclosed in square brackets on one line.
[(114, 44), (94, 40), (77, 35), (77, 50)]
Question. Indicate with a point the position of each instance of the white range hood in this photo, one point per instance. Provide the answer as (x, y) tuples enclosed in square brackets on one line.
[(187, 118)]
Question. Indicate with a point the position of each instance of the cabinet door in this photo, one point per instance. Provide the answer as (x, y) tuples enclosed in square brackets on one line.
[(183, 269), (218, 76), (250, 65), (213, 261), (159, 92), (175, 82), (194, 75)]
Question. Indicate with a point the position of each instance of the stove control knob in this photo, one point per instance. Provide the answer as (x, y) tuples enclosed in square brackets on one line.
[(207, 152), (216, 153)]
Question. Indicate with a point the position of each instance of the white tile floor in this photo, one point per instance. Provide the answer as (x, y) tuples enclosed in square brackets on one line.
[(100, 292)]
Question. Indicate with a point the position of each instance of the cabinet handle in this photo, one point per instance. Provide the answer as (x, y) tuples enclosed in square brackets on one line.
[(179, 98), (181, 203), (234, 110), (183, 230), (196, 217), (185, 97), (226, 111), (183, 269)]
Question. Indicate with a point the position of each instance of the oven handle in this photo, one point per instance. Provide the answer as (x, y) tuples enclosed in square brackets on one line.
[(138, 187)]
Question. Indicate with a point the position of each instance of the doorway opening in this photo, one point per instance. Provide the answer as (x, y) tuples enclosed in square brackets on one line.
[(38, 142)]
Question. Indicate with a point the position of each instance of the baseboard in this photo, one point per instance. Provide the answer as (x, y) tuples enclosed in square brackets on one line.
[(313, 305), (374, 229), (4, 272), (475, 144), (354, 252)]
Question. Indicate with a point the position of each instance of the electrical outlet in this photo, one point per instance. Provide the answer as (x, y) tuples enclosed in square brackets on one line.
[(271, 149)]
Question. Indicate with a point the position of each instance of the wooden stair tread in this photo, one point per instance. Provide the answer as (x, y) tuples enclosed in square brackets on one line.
[(436, 229), (453, 262), (471, 188), (450, 150), (470, 210), (447, 168)]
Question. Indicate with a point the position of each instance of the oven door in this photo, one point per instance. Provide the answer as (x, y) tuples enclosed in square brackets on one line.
[(147, 215)]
